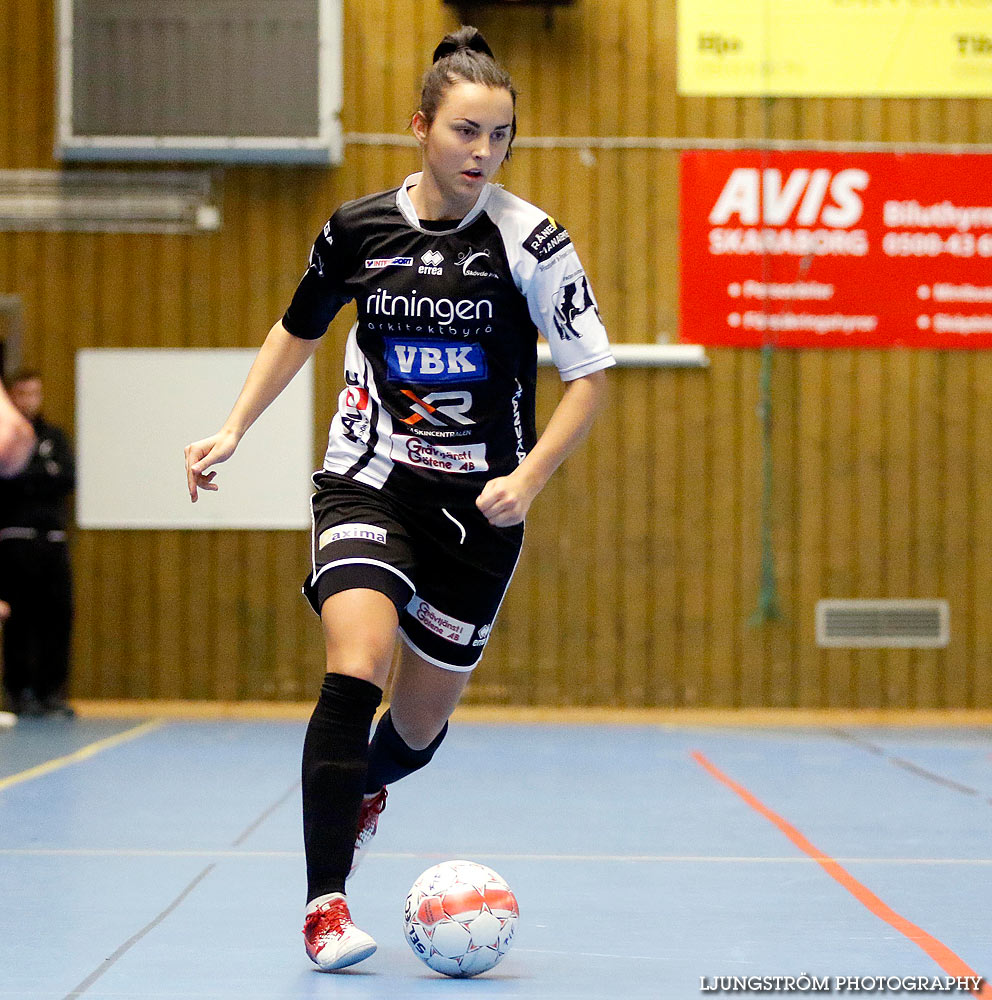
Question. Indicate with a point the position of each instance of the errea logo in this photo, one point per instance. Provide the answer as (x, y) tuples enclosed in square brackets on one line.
[(431, 263)]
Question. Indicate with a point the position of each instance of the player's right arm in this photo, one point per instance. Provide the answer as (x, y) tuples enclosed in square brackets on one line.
[(280, 357), (287, 348)]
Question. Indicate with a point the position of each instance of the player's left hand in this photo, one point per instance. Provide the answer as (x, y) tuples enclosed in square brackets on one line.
[(505, 501)]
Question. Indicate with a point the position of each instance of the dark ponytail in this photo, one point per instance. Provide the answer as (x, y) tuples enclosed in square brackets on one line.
[(464, 55), (466, 37)]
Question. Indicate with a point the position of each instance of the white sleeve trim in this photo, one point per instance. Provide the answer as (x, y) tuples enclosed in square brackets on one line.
[(573, 372)]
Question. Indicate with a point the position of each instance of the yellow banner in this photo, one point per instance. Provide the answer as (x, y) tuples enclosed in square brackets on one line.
[(835, 48)]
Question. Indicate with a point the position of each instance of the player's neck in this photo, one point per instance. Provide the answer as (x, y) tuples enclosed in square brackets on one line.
[(431, 205)]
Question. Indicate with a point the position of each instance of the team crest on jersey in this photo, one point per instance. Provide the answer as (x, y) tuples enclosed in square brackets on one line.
[(430, 361), (468, 258), (377, 262), (576, 312), (547, 239)]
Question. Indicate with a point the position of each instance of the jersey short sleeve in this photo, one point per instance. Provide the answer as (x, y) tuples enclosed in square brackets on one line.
[(559, 296), (321, 292)]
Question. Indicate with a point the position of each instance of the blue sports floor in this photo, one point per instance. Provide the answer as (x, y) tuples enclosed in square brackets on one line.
[(164, 859)]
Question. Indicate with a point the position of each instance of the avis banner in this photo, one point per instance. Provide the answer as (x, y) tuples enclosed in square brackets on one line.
[(838, 48), (807, 249)]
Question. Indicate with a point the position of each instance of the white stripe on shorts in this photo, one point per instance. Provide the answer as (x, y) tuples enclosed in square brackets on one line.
[(366, 562), (456, 668)]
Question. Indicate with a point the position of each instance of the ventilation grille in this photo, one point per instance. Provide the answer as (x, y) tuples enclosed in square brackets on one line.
[(903, 624)]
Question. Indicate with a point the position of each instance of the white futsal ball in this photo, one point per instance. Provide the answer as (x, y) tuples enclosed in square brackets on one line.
[(460, 917)]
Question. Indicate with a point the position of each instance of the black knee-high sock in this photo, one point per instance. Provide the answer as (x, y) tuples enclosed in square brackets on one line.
[(391, 759), (335, 759)]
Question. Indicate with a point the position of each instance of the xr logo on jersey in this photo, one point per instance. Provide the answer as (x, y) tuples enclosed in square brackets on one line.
[(442, 409), (430, 362)]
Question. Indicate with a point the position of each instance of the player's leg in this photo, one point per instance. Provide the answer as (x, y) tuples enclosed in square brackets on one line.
[(445, 628), (360, 581), (359, 630), (408, 734)]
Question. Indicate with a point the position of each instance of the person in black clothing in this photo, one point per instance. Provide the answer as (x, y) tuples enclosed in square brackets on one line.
[(35, 578)]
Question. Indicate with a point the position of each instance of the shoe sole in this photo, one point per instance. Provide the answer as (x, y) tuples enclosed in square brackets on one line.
[(357, 954)]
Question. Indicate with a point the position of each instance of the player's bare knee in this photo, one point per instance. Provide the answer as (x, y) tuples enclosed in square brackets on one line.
[(416, 733), (359, 664)]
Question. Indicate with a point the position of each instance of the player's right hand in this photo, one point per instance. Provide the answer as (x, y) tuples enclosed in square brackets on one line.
[(200, 455)]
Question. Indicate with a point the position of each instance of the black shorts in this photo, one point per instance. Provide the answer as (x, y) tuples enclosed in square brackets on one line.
[(446, 570)]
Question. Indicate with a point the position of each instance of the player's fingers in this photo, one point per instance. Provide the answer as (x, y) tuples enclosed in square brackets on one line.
[(198, 456), (204, 460), (190, 475), (493, 494)]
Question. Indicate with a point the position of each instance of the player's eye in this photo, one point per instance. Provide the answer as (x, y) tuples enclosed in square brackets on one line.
[(499, 135)]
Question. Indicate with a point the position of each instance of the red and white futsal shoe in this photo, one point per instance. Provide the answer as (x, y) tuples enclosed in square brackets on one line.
[(332, 940), (368, 823)]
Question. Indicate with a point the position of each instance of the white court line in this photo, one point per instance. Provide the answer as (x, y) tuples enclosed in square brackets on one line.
[(138, 852)]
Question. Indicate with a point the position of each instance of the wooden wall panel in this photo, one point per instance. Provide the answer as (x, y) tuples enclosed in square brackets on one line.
[(641, 571)]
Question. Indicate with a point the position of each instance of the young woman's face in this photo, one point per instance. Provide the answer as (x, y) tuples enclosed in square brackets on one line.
[(467, 141)]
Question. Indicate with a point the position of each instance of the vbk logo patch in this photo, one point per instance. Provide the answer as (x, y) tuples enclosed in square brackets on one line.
[(430, 361)]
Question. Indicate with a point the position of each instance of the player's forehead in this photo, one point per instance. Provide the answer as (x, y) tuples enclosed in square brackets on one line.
[(490, 107)]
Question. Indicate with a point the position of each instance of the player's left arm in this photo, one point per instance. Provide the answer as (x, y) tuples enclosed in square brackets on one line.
[(506, 500)]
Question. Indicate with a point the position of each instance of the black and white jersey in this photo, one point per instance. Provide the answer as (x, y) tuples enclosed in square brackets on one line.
[(440, 367)]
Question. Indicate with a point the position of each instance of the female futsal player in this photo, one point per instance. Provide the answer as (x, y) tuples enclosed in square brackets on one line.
[(432, 459)]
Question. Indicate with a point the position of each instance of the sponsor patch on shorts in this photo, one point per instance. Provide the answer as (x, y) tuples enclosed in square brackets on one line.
[(352, 532), (440, 457), (439, 623)]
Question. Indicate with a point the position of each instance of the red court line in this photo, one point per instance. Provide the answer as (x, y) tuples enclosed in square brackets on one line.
[(951, 963)]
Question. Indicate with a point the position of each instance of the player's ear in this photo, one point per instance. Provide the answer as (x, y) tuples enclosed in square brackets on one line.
[(419, 126)]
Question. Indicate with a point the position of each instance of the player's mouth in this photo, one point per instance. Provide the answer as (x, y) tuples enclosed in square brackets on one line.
[(474, 174)]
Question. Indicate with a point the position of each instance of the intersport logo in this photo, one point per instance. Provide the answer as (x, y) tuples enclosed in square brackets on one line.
[(378, 262)]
